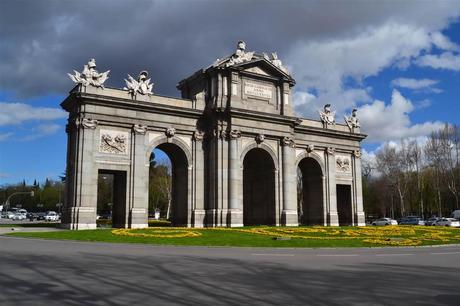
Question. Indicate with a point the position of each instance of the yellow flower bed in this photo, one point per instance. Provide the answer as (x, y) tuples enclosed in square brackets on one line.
[(158, 232), (388, 235)]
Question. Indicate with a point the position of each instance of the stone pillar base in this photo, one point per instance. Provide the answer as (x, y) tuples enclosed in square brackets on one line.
[(210, 218), (138, 218), (78, 226), (360, 219), (79, 218), (333, 219), (198, 217), (289, 218), (234, 218)]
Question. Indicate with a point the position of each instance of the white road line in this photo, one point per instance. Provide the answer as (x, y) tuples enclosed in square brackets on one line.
[(444, 253), (336, 255), (394, 254), (258, 254)]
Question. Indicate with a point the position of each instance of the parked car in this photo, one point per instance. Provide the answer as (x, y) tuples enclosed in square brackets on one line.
[(412, 220), (18, 216), (23, 212), (40, 216), (447, 222), (9, 215), (384, 221), (51, 216), (455, 214), (431, 221)]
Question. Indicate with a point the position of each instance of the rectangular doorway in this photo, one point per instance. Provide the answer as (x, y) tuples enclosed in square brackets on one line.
[(111, 197), (344, 207)]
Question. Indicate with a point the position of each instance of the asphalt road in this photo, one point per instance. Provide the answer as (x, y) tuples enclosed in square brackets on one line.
[(46, 272)]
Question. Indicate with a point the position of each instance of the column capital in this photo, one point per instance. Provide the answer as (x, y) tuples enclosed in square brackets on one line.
[(139, 129), (198, 135), (87, 123), (288, 142)]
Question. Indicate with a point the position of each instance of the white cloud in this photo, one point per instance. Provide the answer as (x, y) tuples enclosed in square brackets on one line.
[(392, 122), (42, 130), (446, 60), (17, 113), (414, 83), (425, 85)]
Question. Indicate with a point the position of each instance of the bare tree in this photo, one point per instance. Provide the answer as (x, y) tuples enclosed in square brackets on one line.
[(391, 163)]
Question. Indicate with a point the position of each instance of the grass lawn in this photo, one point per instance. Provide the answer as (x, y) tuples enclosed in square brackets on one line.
[(264, 236)]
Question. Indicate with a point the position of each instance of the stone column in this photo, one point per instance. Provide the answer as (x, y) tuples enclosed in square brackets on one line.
[(138, 212), (289, 214), (359, 216), (332, 215), (81, 211), (234, 214), (198, 213)]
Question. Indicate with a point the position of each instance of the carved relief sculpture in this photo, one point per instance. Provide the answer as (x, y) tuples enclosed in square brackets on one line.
[(352, 121), (113, 142), (90, 76), (142, 85), (343, 163), (310, 148), (326, 115), (260, 138), (170, 132)]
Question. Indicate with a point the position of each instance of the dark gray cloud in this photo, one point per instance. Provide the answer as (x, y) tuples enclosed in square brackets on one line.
[(43, 40)]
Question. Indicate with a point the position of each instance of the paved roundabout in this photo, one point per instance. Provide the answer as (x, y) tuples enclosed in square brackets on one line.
[(49, 272)]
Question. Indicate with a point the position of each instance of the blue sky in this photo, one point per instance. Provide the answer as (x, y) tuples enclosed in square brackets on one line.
[(398, 62)]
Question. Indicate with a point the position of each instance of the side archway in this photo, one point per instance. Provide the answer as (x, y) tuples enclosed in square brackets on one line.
[(310, 192), (259, 205), (180, 184)]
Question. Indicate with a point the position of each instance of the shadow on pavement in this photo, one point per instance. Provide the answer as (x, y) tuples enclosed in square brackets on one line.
[(92, 279)]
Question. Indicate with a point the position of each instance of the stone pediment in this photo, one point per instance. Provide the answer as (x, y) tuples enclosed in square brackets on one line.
[(264, 67), (257, 70)]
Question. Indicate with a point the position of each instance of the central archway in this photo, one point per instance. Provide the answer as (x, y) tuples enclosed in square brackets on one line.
[(258, 188), (310, 191), (178, 185)]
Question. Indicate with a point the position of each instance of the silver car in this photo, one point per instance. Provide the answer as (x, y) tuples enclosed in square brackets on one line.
[(447, 222), (384, 221)]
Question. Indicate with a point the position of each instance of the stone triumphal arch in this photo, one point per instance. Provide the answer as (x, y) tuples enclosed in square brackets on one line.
[(239, 154)]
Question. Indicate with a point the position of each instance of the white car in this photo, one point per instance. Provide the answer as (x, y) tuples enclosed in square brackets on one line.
[(9, 215), (447, 222), (384, 221), (18, 216), (51, 216)]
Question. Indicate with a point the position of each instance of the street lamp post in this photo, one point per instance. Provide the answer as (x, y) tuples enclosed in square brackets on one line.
[(7, 202)]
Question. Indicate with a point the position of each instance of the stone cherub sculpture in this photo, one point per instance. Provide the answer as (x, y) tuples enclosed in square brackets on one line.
[(240, 55), (327, 116), (142, 85), (90, 76), (352, 121)]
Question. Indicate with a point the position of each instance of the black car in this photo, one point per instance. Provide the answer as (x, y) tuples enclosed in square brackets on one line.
[(41, 216)]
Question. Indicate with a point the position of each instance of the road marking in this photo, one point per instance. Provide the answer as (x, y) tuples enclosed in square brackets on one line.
[(337, 255), (444, 253), (258, 254), (394, 254)]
